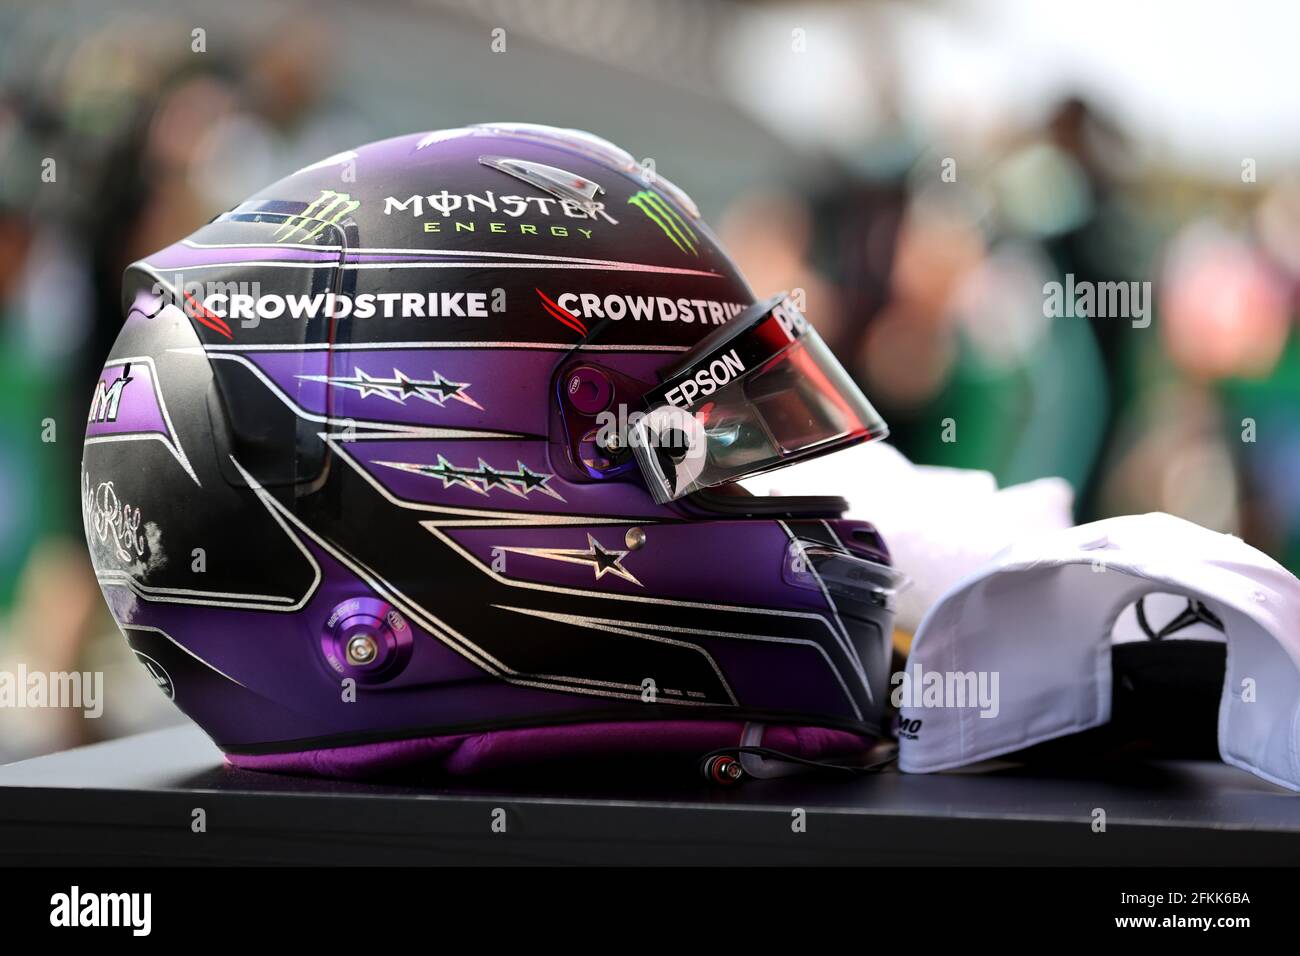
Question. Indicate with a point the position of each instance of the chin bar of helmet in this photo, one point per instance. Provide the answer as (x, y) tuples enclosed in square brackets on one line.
[(723, 766)]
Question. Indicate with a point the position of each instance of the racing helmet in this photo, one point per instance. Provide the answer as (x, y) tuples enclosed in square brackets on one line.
[(430, 452)]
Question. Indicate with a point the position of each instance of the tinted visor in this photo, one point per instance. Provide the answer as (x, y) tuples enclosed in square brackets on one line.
[(759, 393)]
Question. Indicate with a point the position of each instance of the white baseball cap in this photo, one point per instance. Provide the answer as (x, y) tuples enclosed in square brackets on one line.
[(940, 524), (1041, 620)]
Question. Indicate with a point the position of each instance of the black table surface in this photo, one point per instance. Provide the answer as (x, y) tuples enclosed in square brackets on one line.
[(134, 801)]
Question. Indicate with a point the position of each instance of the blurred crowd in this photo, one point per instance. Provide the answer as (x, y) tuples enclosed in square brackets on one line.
[(924, 265), (110, 148), (931, 279)]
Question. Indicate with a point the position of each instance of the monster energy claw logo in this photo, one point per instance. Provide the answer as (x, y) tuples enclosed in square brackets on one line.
[(328, 209), (667, 219)]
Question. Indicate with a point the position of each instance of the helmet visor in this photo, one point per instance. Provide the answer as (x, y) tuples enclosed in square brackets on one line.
[(761, 392)]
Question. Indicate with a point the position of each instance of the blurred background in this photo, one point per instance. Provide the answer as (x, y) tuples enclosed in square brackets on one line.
[(921, 170)]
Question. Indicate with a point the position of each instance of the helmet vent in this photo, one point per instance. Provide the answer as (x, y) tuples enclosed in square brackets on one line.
[(560, 183)]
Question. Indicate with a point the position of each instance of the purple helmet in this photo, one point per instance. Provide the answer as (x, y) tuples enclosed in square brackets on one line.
[(429, 452)]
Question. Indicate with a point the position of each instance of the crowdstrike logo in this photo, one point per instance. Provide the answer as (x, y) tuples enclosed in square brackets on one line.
[(919, 689), (75, 908), (250, 310), (189, 297), (647, 308)]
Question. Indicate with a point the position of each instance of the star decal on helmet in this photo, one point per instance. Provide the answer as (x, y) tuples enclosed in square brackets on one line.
[(481, 479), (596, 556), (435, 391)]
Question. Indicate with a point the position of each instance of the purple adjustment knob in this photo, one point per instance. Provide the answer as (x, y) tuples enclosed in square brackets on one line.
[(589, 390), (366, 639)]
